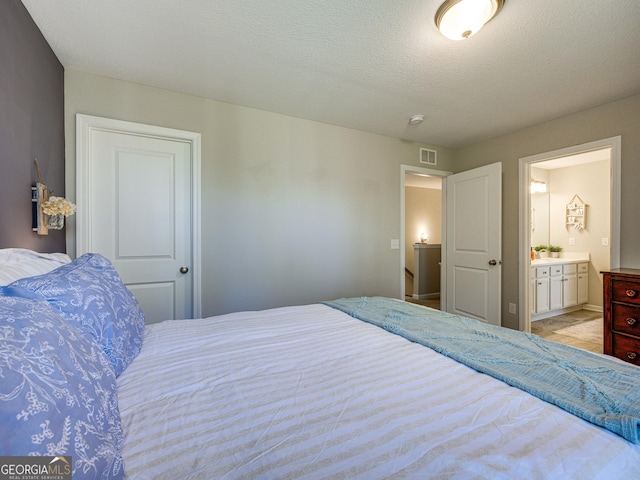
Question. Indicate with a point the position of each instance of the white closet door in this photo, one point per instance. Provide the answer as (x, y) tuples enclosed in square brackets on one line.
[(138, 213)]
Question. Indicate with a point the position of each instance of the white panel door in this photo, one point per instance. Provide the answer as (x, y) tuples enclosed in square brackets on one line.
[(473, 237), (139, 215)]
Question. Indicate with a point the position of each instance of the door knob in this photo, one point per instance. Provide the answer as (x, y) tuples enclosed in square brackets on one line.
[(184, 269), (492, 262)]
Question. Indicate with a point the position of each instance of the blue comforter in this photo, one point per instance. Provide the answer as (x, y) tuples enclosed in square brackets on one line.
[(595, 388)]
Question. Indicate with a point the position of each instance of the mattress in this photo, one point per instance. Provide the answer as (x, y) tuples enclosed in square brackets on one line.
[(310, 392)]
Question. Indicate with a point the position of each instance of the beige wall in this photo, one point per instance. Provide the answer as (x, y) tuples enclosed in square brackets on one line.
[(296, 211), (617, 118), (591, 183), (423, 213), (293, 211)]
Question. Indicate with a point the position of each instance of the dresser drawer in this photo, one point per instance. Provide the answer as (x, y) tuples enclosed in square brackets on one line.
[(626, 319), (627, 349), (625, 291)]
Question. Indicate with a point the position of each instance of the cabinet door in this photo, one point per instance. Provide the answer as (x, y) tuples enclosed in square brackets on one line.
[(532, 295), (542, 295), (532, 290), (555, 293), (569, 290), (583, 288)]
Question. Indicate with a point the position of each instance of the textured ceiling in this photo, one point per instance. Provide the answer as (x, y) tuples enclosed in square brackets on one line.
[(367, 65)]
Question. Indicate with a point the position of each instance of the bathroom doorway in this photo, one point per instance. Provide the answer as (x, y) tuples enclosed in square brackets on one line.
[(588, 175)]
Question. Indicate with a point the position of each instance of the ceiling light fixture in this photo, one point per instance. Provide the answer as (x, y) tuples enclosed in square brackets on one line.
[(461, 19), (416, 120)]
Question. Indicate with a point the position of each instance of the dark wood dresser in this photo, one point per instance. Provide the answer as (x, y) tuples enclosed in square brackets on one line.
[(622, 314)]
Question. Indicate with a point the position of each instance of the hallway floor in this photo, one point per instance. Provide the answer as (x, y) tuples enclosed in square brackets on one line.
[(432, 302)]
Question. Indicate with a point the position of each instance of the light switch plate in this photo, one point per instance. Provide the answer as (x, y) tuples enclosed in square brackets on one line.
[(395, 244)]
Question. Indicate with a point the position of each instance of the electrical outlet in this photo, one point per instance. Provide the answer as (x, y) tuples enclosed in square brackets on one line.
[(605, 242), (572, 241), (512, 308)]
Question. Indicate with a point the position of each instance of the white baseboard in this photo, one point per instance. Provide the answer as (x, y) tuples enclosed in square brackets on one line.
[(593, 308), (560, 311), (426, 296)]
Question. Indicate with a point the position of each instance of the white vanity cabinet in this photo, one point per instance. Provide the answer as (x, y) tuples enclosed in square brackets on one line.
[(583, 283), (532, 291), (542, 289), (563, 286), (558, 288)]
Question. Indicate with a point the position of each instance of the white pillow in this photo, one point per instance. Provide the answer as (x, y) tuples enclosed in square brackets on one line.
[(17, 263)]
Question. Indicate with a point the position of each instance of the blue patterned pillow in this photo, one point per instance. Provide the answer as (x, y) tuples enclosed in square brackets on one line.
[(90, 293), (57, 391)]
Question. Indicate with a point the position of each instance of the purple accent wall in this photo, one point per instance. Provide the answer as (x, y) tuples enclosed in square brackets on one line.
[(31, 125)]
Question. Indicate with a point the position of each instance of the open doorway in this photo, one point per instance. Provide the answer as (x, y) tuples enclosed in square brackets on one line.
[(423, 239), (578, 214), (421, 235), (471, 264)]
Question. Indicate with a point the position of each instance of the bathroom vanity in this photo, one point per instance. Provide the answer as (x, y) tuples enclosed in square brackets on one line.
[(558, 285)]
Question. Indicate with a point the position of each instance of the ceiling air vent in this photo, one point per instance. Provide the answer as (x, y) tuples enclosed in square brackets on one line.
[(428, 156)]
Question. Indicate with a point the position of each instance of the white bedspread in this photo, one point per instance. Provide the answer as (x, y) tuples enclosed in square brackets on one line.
[(309, 392)]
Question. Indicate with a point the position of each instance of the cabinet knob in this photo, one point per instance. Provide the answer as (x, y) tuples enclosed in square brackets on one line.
[(631, 293), (631, 321), (632, 355)]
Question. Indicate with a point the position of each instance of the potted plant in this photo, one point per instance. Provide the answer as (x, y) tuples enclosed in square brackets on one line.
[(539, 249), (555, 251)]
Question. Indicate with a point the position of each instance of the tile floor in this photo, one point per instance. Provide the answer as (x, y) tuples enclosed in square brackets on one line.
[(546, 328)]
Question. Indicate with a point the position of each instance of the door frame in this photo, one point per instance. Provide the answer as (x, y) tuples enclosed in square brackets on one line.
[(524, 318), (404, 169), (85, 124)]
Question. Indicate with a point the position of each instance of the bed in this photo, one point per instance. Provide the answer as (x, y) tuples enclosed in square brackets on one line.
[(366, 388)]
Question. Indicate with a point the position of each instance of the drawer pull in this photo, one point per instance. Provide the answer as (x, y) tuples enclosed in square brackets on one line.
[(632, 321), (631, 293), (632, 355)]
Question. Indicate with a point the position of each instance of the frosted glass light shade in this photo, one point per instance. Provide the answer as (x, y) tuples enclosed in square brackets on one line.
[(461, 19)]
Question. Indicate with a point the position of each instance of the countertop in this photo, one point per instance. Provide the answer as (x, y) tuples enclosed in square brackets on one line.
[(568, 257)]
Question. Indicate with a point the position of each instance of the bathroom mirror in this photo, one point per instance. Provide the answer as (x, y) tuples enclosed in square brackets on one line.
[(539, 219)]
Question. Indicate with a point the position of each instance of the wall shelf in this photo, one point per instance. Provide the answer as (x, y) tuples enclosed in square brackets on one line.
[(576, 213)]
